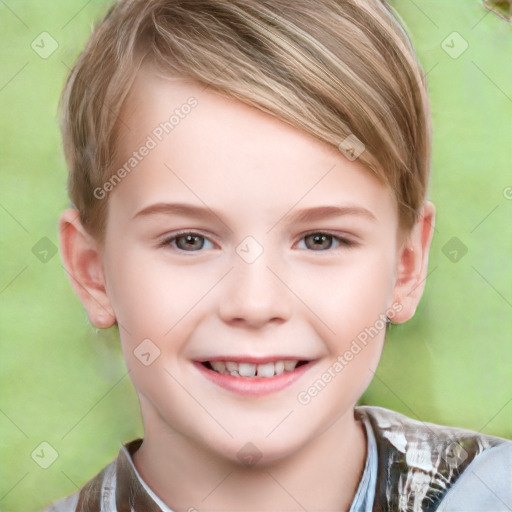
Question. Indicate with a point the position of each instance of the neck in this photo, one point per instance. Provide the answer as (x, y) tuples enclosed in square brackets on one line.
[(323, 475)]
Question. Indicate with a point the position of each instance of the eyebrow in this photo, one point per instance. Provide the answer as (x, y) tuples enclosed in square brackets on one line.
[(300, 216), (184, 209), (324, 212)]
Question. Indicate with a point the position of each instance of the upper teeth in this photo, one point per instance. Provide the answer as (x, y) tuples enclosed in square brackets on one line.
[(253, 370)]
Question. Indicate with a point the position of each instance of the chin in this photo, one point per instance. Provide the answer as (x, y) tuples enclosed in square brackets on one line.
[(259, 452)]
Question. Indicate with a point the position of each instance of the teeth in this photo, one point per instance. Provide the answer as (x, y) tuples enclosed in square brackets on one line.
[(289, 366), (266, 370), (231, 366), (254, 370), (218, 366), (279, 367), (247, 369)]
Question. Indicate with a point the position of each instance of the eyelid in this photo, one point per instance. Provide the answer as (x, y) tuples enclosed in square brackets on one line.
[(344, 239), (165, 240)]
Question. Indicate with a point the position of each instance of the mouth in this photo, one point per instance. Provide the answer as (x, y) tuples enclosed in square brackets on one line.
[(256, 377), (254, 370)]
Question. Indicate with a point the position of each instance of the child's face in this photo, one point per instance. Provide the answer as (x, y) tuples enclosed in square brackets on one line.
[(251, 285)]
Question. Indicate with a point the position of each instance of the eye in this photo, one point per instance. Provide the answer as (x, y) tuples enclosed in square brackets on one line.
[(190, 242), (320, 241)]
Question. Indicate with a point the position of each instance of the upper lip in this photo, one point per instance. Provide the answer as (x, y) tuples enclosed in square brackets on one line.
[(255, 360)]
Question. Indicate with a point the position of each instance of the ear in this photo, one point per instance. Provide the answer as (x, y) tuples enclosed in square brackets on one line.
[(82, 258), (412, 264)]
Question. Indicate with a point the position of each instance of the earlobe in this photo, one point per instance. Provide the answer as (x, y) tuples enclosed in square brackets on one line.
[(412, 265), (81, 255)]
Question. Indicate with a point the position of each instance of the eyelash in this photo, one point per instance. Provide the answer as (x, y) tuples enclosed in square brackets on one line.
[(341, 241)]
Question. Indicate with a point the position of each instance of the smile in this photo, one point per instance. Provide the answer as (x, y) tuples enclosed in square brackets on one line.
[(270, 369), (252, 377)]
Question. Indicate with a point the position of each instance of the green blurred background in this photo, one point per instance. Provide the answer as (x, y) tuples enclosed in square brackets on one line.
[(65, 384)]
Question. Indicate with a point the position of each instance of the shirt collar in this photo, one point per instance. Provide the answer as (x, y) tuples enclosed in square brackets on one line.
[(132, 491), (131, 485)]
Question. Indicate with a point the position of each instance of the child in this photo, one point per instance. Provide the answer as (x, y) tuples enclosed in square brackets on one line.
[(249, 184)]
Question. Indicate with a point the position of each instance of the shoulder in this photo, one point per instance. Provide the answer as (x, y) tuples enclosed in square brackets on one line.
[(423, 466), (116, 486), (399, 429), (90, 497), (485, 485), (67, 504)]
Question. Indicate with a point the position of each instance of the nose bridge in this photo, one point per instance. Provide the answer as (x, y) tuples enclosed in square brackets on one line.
[(253, 293)]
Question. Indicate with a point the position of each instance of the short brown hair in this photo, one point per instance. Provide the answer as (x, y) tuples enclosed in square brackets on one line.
[(334, 68)]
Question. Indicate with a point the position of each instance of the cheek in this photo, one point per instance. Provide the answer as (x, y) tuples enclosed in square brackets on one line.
[(352, 326), (150, 295), (351, 297)]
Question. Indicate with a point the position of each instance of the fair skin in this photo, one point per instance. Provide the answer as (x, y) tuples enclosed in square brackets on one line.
[(303, 298)]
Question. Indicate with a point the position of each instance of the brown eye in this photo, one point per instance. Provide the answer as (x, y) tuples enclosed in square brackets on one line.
[(190, 242), (319, 241)]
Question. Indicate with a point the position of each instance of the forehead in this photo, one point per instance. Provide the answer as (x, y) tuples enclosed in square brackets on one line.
[(161, 107), (205, 147)]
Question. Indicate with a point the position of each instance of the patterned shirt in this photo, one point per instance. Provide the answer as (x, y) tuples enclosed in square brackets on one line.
[(410, 466)]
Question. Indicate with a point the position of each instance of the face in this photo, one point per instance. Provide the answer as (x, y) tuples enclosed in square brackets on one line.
[(237, 244)]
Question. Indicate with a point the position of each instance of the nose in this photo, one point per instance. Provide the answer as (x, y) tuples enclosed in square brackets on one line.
[(255, 294)]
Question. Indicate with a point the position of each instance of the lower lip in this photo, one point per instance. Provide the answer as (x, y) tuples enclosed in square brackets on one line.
[(255, 386)]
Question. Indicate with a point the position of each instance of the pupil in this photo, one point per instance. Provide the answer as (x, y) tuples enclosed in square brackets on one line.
[(191, 241), (320, 240)]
